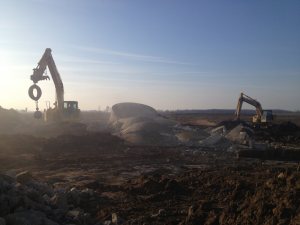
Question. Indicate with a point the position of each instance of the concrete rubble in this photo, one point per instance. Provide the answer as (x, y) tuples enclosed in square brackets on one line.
[(140, 124), (24, 200), (232, 137)]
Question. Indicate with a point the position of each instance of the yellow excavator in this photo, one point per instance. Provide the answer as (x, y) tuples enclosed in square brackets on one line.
[(62, 110), (262, 117)]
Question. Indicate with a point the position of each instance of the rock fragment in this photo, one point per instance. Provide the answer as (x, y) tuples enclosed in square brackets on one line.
[(24, 177)]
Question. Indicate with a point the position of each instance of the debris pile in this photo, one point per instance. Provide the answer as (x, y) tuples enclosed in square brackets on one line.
[(25, 200), (279, 141), (142, 125), (227, 134)]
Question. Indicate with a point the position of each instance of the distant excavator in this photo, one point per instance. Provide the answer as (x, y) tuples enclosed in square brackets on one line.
[(63, 110), (262, 117)]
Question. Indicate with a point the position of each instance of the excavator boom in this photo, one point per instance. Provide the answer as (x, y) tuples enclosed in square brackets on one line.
[(260, 113), (38, 75), (250, 101)]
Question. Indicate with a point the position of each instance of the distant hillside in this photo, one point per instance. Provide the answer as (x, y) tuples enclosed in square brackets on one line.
[(225, 111)]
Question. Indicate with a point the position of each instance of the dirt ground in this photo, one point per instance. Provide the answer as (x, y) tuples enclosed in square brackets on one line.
[(157, 185)]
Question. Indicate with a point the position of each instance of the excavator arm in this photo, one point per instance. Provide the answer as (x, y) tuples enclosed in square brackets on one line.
[(38, 75), (250, 101)]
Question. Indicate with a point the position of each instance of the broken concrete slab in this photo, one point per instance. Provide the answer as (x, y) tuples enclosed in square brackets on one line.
[(240, 134), (211, 140)]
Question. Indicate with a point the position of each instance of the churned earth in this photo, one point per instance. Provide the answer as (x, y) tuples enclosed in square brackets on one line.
[(67, 174), (97, 178)]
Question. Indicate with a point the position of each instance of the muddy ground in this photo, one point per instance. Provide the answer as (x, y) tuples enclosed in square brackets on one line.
[(149, 185)]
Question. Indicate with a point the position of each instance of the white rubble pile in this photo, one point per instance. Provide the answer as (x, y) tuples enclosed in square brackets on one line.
[(24, 200), (142, 125), (241, 136)]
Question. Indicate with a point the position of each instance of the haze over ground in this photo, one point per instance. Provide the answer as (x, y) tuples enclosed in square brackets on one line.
[(168, 54)]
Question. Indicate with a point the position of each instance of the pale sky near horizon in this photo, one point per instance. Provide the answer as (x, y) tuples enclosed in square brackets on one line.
[(168, 54)]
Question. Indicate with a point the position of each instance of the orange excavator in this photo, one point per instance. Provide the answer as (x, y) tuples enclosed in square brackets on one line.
[(63, 110), (262, 117)]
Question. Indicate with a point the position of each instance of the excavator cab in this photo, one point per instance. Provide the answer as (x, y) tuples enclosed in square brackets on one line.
[(70, 109), (69, 112), (267, 116)]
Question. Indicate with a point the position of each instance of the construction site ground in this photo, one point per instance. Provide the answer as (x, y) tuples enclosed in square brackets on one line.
[(154, 185)]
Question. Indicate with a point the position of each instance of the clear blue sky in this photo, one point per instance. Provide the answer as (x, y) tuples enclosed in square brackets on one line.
[(169, 54)]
